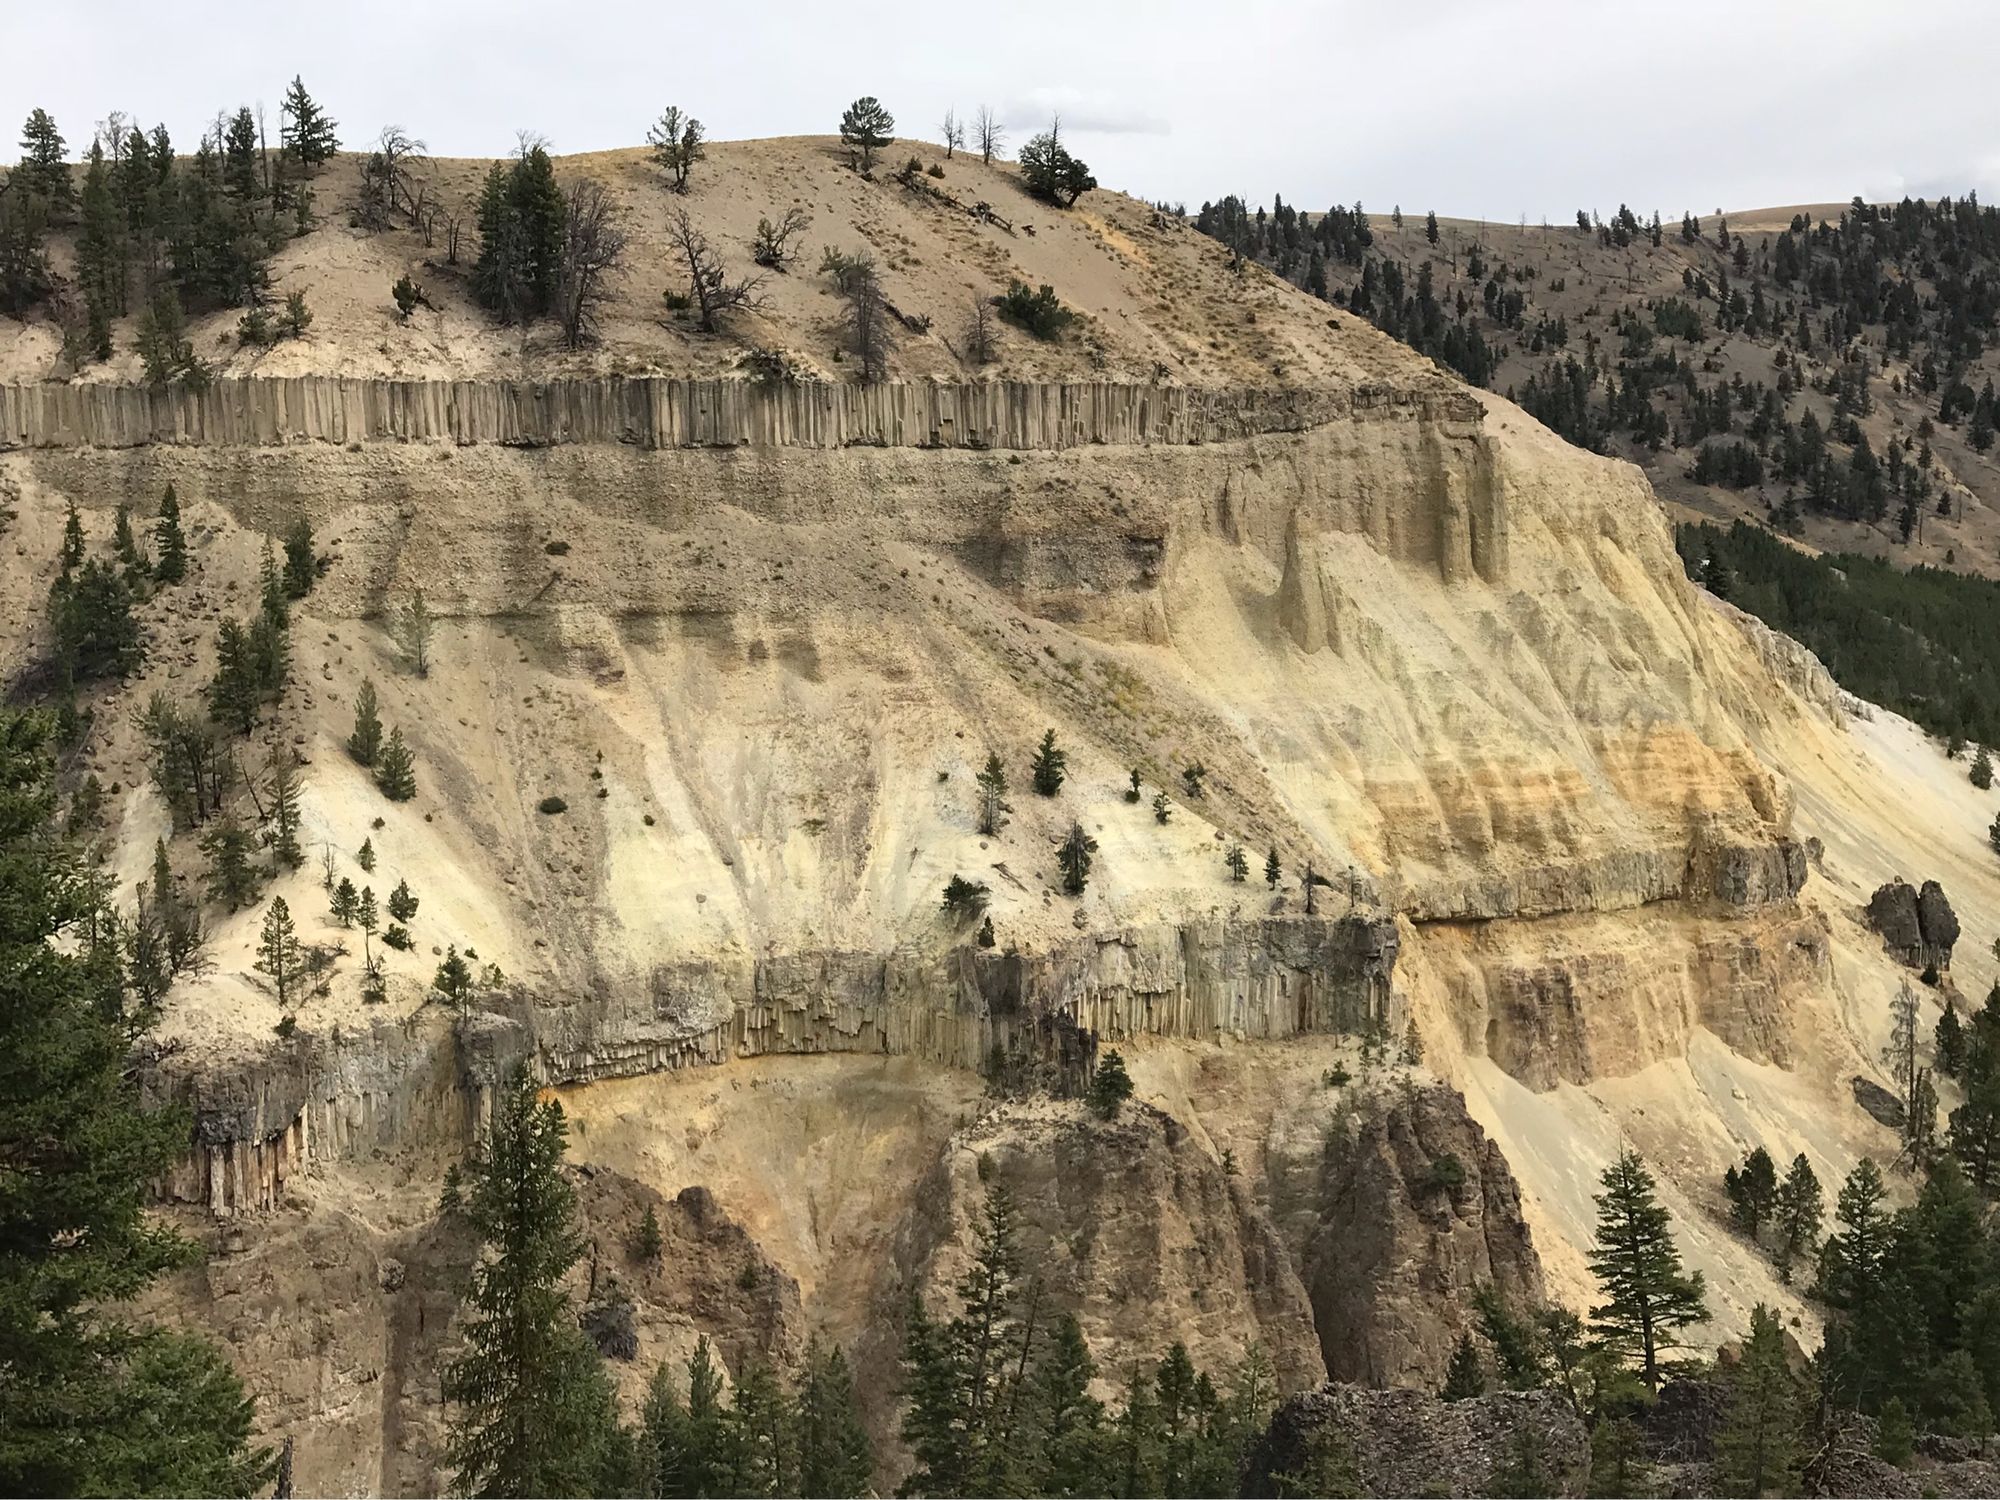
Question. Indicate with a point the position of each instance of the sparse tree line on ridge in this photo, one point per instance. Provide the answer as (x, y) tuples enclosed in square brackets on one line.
[(168, 234)]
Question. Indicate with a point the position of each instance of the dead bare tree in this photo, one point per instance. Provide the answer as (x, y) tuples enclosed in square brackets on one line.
[(593, 250), (867, 324), (981, 338), (385, 176), (709, 286), (453, 220), (952, 129), (772, 245), (986, 130)]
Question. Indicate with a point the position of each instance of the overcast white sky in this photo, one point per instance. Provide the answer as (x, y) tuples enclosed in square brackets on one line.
[(1481, 108)]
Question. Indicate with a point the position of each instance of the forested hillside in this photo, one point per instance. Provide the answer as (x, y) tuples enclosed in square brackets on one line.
[(1828, 373)]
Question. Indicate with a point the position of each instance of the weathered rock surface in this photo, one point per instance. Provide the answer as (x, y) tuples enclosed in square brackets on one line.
[(1917, 926), (1418, 1210), (1133, 1224), (1411, 1443)]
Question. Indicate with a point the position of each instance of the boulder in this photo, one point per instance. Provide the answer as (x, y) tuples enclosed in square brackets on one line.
[(1892, 912), (1938, 923)]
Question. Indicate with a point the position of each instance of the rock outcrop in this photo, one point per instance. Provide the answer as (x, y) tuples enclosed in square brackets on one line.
[(1418, 1210), (1345, 1439), (1918, 927), (1133, 1224)]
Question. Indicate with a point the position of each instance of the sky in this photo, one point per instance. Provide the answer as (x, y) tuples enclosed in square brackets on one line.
[(1473, 108)]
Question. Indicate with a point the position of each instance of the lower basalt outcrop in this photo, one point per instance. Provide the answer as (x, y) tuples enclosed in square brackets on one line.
[(1418, 1210)]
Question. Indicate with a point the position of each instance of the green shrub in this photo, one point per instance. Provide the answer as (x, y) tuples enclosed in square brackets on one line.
[(1447, 1173), (551, 805), (1039, 312)]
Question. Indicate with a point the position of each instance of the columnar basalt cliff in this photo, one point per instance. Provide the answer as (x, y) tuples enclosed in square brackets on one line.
[(663, 412)]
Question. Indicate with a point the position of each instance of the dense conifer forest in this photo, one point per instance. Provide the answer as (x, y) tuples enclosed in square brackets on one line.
[(1913, 640)]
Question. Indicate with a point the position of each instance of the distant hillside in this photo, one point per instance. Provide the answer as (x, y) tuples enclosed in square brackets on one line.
[(1825, 371)]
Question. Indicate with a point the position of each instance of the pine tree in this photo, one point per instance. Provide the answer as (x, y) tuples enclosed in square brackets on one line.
[(306, 132), (285, 807), (43, 170), (1237, 863), (1752, 1190), (394, 771), (708, 1458), (677, 140), (234, 692), (1982, 770), (100, 263), (179, 918), (70, 558), (1074, 856), (453, 979), (993, 808), (1049, 766), (1110, 1086), (1524, 1468), (1431, 227), (1757, 1448), (126, 545), (1134, 1459), (278, 952), (412, 628), (1851, 1262), (663, 1435), (346, 902), (534, 1410), (1895, 1436), (1798, 1215), (1520, 1360), (301, 569), (647, 1242), (365, 744), (1648, 1299), (96, 633), (1949, 1042), (229, 847), (760, 1419), (402, 905), (1465, 1376), (1273, 871), (93, 1399), (1068, 1417), (169, 542), (365, 856), (1975, 1124), (865, 128)]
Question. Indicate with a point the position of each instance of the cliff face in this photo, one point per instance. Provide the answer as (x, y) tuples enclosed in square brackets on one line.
[(760, 642)]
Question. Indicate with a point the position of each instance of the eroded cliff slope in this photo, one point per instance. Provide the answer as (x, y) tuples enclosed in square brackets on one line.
[(1561, 805)]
